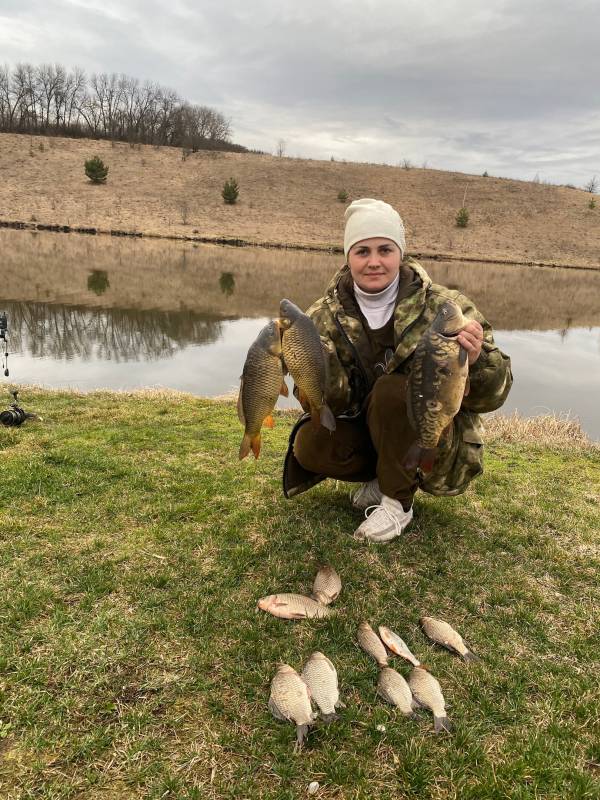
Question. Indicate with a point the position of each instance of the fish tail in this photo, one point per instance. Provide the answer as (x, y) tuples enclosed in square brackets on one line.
[(301, 731), (441, 724), (470, 656), (326, 417), (245, 446), (330, 717), (269, 422), (417, 456), (250, 443)]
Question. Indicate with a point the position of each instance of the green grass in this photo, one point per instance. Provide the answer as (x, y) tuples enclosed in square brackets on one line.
[(133, 663)]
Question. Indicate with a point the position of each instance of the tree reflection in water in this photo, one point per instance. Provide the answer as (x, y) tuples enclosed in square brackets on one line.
[(66, 332), (227, 283)]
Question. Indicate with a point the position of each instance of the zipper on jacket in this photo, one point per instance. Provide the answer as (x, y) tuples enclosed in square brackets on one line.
[(354, 350)]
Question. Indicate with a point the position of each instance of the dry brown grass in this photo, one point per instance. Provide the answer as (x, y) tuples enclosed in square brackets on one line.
[(290, 201), (545, 430)]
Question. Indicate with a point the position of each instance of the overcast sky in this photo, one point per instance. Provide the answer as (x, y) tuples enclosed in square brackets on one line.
[(507, 86)]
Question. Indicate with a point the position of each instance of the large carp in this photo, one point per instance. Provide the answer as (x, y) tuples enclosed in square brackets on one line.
[(260, 384), (436, 384), (304, 358)]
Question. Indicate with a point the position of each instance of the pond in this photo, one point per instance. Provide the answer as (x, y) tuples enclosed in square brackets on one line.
[(98, 312)]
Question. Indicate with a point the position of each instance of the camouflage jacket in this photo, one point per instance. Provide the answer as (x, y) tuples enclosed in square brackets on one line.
[(350, 377)]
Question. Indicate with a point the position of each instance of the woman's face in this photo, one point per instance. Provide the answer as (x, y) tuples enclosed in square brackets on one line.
[(374, 263)]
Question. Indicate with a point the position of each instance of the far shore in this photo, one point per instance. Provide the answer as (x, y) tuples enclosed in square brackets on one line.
[(289, 203), (315, 248)]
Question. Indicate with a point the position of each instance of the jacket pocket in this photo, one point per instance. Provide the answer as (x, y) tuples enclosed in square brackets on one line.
[(460, 458)]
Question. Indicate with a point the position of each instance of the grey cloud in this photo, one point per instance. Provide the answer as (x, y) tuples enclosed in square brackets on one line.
[(508, 85)]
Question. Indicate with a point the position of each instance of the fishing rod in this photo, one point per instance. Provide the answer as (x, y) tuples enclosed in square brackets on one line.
[(3, 336)]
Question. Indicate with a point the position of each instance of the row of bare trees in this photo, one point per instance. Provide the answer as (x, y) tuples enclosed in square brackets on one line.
[(47, 99)]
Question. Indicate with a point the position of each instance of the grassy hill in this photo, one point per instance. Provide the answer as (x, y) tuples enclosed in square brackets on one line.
[(290, 201), (133, 663)]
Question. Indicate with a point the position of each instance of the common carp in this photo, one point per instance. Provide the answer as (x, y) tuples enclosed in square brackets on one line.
[(444, 634), (397, 645), (436, 385), (290, 701), (327, 585), (305, 361), (428, 693), (395, 690), (372, 644), (260, 384), (320, 676), (293, 606)]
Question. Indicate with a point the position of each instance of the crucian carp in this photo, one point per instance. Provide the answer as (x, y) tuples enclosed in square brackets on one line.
[(436, 384), (261, 383), (304, 358)]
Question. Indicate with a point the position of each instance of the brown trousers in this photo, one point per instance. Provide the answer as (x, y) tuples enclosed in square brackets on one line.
[(372, 445)]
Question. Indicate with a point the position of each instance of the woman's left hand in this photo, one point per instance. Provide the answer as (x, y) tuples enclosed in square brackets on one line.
[(471, 338)]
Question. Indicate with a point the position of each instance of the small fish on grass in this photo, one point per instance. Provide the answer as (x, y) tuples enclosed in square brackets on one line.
[(372, 644), (293, 606), (395, 690), (320, 676), (428, 693), (436, 385), (305, 360), (397, 645), (327, 586), (290, 701), (444, 634), (261, 383)]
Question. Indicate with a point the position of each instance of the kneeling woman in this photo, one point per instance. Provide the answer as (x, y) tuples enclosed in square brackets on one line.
[(370, 320)]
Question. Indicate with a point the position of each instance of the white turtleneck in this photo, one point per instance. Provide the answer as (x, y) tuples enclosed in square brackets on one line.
[(377, 307)]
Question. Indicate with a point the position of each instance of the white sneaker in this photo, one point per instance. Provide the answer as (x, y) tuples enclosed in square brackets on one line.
[(384, 521), (368, 494)]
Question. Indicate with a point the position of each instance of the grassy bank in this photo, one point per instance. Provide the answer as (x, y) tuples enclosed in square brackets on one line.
[(133, 662)]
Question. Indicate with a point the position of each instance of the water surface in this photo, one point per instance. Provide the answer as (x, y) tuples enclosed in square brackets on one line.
[(95, 312)]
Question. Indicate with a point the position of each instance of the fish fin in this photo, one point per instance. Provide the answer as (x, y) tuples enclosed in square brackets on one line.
[(411, 715), (467, 387), (255, 445), (297, 615), (269, 422), (301, 731), (240, 405), (417, 456), (470, 656), (327, 418), (330, 717), (340, 704), (245, 446), (284, 391), (441, 724), (462, 357)]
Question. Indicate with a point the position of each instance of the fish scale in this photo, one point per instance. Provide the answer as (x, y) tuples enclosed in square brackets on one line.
[(293, 606), (321, 678), (428, 692), (261, 383), (393, 688), (290, 700), (372, 644), (327, 585)]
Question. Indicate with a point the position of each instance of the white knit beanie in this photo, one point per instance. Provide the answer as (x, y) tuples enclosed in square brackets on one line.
[(367, 218)]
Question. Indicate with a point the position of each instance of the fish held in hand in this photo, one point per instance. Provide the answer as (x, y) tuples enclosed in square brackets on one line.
[(261, 383), (436, 385), (320, 676), (428, 693), (305, 361), (397, 645), (289, 701), (395, 690), (293, 606), (444, 634), (372, 644), (327, 585)]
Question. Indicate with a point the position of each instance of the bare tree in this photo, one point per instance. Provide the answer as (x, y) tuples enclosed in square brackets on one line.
[(592, 185), (281, 145)]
